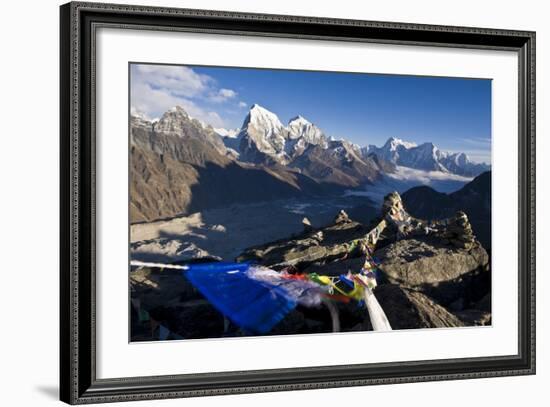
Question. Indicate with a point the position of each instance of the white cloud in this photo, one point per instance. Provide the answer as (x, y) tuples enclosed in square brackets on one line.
[(176, 80), (242, 104), (157, 88), (228, 93), (223, 95)]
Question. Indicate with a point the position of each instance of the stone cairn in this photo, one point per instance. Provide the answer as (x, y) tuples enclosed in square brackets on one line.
[(342, 217), (392, 203), (458, 231), (404, 224)]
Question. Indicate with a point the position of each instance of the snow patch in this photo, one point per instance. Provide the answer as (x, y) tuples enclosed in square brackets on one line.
[(229, 133)]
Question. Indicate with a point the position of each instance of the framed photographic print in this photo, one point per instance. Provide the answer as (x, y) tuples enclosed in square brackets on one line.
[(257, 203)]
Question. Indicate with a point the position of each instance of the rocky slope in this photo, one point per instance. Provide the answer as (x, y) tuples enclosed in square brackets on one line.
[(178, 166), (474, 199), (424, 282)]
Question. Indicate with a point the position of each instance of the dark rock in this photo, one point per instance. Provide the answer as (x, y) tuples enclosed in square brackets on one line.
[(409, 309), (485, 303), (199, 320), (171, 300), (474, 317), (307, 225), (457, 305)]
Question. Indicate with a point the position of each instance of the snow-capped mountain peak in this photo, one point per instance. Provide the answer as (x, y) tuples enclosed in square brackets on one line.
[(426, 156), (263, 119), (459, 158), (174, 122), (393, 144), (264, 139), (178, 109), (299, 121), (262, 136), (305, 132)]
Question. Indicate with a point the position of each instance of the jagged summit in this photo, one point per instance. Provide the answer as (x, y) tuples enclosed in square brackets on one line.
[(178, 109), (260, 116), (394, 142), (305, 133), (262, 137), (299, 120)]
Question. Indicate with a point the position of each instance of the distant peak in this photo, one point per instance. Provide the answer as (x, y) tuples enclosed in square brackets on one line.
[(178, 109), (299, 120), (428, 145), (394, 141), (260, 116), (257, 108)]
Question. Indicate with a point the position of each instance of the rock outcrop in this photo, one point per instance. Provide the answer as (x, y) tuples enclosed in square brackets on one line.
[(474, 199), (425, 279), (409, 309), (443, 271)]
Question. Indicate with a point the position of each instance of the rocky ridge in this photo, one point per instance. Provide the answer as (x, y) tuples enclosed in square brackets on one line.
[(474, 200), (425, 281)]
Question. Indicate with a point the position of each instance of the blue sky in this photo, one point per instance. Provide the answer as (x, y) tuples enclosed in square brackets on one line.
[(453, 113)]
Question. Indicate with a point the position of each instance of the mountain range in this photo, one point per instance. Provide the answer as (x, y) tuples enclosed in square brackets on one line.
[(180, 165), (426, 157), (264, 139)]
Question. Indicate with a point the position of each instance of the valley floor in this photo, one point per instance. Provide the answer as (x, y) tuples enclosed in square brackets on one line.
[(226, 232)]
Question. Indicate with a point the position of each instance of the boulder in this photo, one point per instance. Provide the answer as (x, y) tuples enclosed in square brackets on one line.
[(444, 272)]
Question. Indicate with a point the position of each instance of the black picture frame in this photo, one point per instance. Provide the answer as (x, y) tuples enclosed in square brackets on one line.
[(78, 382)]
